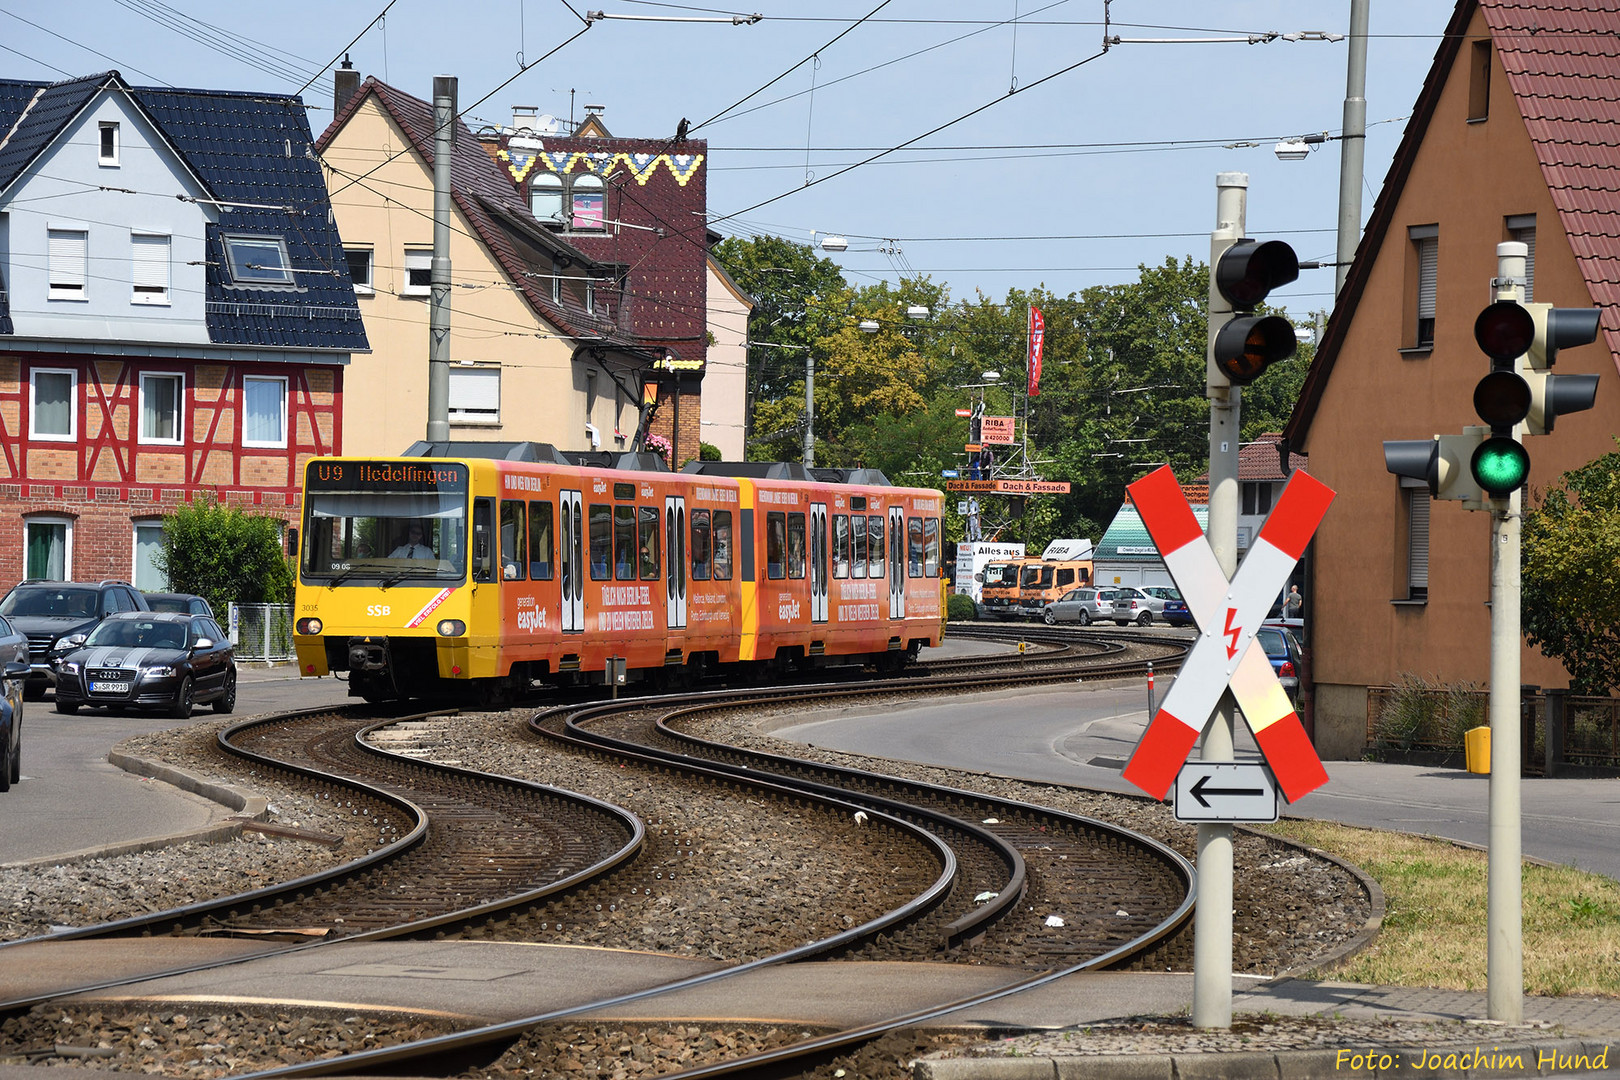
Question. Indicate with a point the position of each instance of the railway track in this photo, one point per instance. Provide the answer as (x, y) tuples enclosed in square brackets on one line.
[(969, 854)]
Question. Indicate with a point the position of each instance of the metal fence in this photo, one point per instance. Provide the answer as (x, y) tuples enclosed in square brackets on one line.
[(262, 632), (1563, 734)]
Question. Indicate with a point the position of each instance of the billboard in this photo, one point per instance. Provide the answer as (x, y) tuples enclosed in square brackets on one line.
[(998, 430)]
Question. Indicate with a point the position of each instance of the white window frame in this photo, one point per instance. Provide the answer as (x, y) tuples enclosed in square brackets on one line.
[(236, 268), (179, 380), (587, 184), (135, 527), (68, 255), (549, 187), (72, 433), (103, 130), (416, 259), (67, 544), (478, 405), (1426, 239), (280, 443), (150, 256), (368, 286)]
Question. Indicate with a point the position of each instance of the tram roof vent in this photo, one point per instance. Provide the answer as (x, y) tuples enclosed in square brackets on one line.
[(500, 451), (751, 470), (614, 459), (869, 477)]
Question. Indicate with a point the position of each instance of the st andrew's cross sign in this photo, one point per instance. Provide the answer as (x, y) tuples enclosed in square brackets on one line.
[(1226, 654)]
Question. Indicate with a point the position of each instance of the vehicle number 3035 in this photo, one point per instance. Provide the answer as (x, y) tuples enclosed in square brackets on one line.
[(378, 610)]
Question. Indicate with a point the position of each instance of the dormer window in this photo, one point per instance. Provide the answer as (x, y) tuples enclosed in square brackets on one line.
[(108, 153), (257, 260), (546, 198), (589, 203)]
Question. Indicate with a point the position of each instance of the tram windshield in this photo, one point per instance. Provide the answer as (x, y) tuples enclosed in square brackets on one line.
[(393, 535)]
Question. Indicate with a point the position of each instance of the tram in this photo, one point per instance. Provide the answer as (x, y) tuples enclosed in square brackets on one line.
[(475, 571)]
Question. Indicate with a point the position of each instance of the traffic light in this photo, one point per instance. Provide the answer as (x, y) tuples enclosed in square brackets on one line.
[(1245, 274), (1505, 331), (1442, 462), (1551, 396)]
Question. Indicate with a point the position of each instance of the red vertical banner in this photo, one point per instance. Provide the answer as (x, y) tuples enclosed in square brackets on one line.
[(1037, 337)]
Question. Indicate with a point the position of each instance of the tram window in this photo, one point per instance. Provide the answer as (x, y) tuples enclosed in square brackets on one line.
[(647, 517), (722, 545), (601, 542), (931, 547), (540, 548), (512, 522), (776, 544), (914, 547), (840, 546), (874, 545), (701, 552), (624, 543), (483, 549), (795, 545), (857, 529)]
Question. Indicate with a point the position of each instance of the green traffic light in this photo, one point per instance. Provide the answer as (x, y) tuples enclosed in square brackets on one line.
[(1500, 466)]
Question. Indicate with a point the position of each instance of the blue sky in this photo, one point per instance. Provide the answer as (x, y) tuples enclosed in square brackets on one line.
[(1069, 182)]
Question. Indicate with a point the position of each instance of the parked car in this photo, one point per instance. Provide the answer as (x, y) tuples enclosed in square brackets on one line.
[(1283, 650), (1133, 605), (185, 603), (57, 615), (1175, 612), (14, 662), (150, 660), (1084, 605)]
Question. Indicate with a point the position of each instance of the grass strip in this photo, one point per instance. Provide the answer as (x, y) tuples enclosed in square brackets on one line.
[(1434, 927)]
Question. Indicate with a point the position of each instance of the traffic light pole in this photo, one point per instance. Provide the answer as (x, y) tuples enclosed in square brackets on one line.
[(1504, 914), (1212, 917)]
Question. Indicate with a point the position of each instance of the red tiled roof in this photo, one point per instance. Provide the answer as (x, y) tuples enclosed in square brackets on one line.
[(1562, 59)]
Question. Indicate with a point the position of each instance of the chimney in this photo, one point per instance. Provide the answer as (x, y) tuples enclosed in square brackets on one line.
[(524, 118), (345, 82)]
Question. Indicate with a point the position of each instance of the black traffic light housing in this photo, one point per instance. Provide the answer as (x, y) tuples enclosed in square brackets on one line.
[(1245, 274), (1505, 331)]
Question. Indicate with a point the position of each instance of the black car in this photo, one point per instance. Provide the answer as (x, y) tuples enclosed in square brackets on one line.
[(14, 662), (150, 660), (185, 603), (57, 615)]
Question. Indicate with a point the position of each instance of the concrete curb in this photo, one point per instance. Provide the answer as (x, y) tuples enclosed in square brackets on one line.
[(1542, 1058), (248, 808)]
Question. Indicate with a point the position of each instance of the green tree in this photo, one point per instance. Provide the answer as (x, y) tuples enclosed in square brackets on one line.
[(1570, 605), (224, 555)]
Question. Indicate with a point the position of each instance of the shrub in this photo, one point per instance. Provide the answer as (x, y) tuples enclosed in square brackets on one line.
[(960, 606), (224, 555), (709, 452), (1421, 713)]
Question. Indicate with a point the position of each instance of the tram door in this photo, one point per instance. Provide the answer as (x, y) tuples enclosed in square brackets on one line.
[(818, 562), (675, 559), (897, 562), (571, 563)]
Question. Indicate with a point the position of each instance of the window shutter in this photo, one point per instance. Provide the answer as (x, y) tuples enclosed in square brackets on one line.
[(475, 393), (150, 269), (1428, 265), (1417, 549), (68, 250)]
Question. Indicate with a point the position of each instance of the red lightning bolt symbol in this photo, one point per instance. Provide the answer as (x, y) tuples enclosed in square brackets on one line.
[(1231, 632)]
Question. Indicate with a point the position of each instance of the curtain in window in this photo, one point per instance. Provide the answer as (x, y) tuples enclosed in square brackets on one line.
[(53, 403), (47, 550), (263, 411)]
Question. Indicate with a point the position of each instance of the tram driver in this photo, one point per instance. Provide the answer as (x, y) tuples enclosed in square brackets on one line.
[(415, 546)]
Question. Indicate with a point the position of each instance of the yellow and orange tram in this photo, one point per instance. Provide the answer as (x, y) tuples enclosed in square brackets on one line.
[(475, 571)]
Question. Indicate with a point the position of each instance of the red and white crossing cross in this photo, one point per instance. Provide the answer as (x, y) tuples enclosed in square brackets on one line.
[(1225, 654)]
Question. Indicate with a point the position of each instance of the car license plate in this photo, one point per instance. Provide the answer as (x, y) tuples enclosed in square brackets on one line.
[(109, 688)]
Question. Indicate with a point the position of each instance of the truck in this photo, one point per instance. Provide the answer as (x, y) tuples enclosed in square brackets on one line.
[(1063, 565), (970, 564)]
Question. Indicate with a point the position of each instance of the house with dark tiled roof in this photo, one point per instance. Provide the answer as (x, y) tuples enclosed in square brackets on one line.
[(1515, 137), (544, 345), (175, 316)]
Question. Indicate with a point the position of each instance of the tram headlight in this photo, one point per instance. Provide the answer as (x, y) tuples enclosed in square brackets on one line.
[(451, 628), (309, 626)]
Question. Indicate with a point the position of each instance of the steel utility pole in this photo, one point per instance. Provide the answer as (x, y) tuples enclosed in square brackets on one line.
[(444, 144), (1504, 909), (809, 409), (1353, 144), (1212, 918)]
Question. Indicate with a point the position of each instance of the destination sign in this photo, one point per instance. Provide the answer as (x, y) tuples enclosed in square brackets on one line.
[(1010, 487), (385, 476)]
